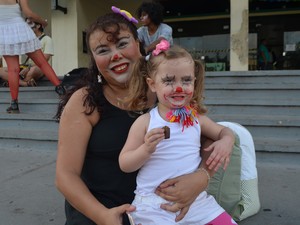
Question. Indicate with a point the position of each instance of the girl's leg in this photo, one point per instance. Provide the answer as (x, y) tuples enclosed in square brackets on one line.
[(40, 60), (222, 219), (13, 70)]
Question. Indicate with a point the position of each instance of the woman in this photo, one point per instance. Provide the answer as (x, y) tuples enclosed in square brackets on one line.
[(17, 38), (94, 123)]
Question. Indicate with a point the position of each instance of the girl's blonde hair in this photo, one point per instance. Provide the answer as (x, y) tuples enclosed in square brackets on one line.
[(146, 67)]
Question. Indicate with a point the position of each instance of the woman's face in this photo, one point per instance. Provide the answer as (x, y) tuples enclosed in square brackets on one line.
[(114, 60)]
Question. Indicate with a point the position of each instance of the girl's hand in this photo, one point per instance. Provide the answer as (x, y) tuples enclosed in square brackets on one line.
[(153, 137), (220, 154), (183, 191)]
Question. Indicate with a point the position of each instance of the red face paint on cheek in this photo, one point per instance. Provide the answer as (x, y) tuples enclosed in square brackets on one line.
[(190, 94)]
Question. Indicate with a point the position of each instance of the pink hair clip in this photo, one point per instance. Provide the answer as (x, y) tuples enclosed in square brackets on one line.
[(125, 14), (163, 45)]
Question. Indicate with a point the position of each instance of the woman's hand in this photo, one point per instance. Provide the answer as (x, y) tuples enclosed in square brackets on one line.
[(183, 191), (114, 215)]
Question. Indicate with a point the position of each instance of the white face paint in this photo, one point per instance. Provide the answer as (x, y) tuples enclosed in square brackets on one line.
[(114, 60), (173, 82)]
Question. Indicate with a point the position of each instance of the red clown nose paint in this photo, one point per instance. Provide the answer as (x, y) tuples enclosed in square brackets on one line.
[(179, 89), (115, 57)]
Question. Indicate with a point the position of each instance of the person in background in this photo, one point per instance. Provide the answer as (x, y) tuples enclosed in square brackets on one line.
[(153, 30), (264, 56), (93, 127), (178, 82), (32, 73), (17, 38)]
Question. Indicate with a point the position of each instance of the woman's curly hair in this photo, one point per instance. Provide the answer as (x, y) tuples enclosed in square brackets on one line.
[(94, 97)]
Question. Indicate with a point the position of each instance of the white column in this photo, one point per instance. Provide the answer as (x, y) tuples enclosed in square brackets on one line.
[(239, 28), (65, 38)]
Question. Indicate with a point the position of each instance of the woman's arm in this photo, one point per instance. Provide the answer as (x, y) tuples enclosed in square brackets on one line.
[(74, 132), (30, 14)]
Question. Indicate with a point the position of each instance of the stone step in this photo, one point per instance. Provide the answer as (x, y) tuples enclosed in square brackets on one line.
[(259, 120), (28, 106), (270, 133), (27, 144), (276, 144), (269, 94), (265, 129), (254, 75), (29, 130), (255, 87), (253, 80), (44, 92), (253, 110), (267, 103), (223, 100)]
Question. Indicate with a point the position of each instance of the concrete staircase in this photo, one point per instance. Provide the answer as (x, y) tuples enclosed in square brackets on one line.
[(34, 127), (266, 102)]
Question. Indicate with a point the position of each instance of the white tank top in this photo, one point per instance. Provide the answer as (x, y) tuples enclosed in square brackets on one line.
[(178, 155)]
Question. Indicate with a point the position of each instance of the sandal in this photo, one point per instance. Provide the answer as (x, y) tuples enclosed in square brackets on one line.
[(31, 83), (14, 107)]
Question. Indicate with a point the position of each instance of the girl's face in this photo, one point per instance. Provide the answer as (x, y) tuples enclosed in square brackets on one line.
[(173, 82), (114, 60)]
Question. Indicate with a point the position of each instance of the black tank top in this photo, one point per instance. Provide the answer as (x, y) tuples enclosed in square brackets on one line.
[(101, 171)]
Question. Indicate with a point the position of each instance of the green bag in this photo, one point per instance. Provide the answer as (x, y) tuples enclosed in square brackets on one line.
[(236, 189), (225, 186)]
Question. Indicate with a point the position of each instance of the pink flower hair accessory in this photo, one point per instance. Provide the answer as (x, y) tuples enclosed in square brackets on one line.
[(127, 15), (163, 45)]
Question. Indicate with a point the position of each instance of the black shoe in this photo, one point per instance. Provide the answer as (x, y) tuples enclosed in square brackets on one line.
[(60, 90), (14, 107)]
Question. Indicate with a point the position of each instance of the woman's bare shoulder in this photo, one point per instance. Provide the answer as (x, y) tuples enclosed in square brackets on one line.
[(75, 107)]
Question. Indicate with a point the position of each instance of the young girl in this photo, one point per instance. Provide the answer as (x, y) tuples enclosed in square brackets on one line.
[(177, 81)]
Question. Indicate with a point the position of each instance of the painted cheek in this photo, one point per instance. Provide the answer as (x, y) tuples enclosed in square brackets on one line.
[(102, 63), (167, 94), (165, 97), (190, 93)]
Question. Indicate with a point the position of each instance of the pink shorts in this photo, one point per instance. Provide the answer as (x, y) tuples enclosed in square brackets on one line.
[(222, 219)]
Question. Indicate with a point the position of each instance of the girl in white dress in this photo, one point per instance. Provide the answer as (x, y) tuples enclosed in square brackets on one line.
[(17, 38), (177, 80)]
